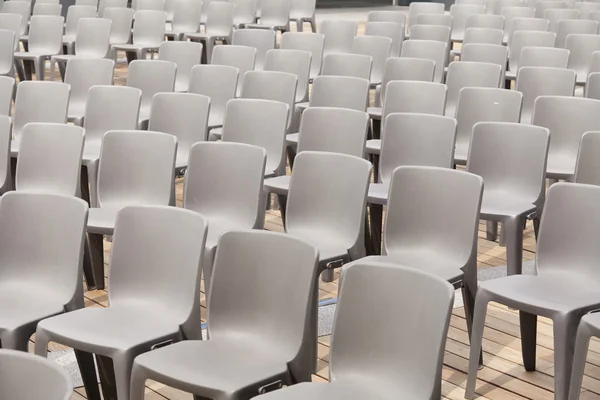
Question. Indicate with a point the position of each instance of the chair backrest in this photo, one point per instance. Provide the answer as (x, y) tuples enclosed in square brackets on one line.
[(414, 97), (149, 27), (40, 101), (262, 40), (460, 13), (463, 74), (185, 55), (183, 115), (241, 57), (354, 65), (392, 30), (141, 258), (496, 154), (431, 32), (581, 47), (398, 17), (407, 346), (528, 38), (340, 91), (339, 36), (535, 56), (554, 15), (104, 4), (55, 261), (543, 81), (406, 69), (487, 21), (327, 196), (82, 74), (245, 11), (586, 170), (416, 8), (338, 130), (186, 15), (483, 36), (527, 24), (155, 5), (541, 6), (11, 22), (483, 105), (120, 28), (151, 77), (592, 87), (261, 123), (271, 85), (47, 9), (571, 26), (434, 19), (510, 13), (136, 167), (7, 91), (74, 14), (568, 118), (495, 7), (110, 108), (585, 8), (219, 19), (568, 232), (303, 9), (378, 48), (50, 159), (275, 12), (486, 53), (52, 381), (93, 37), (225, 179), (295, 62), (22, 8), (5, 159), (311, 42), (217, 82), (45, 34), (238, 303), (429, 50), (416, 139), (93, 3)]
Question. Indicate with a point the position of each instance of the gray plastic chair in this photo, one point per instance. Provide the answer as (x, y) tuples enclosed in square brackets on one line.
[(120, 28), (354, 65), (588, 328), (527, 24), (541, 6), (416, 8), (183, 115), (224, 184), (378, 48), (483, 35), (481, 105), (434, 19), (262, 40), (104, 4), (554, 15), (487, 21), (295, 62), (166, 261), (392, 30), (429, 50), (460, 13), (571, 26), (135, 168), (45, 40), (339, 36), (587, 162), (543, 81), (219, 83), (563, 290), (486, 53), (185, 19), (533, 56), (50, 159), (514, 180), (18, 369), (148, 34), (5, 159), (585, 8), (568, 118), (522, 39), (46, 9), (11, 22), (463, 74), (431, 32), (54, 262), (218, 27), (19, 8), (185, 55), (311, 42), (512, 12), (225, 367), (7, 92), (592, 88), (581, 47), (74, 14), (241, 57), (7, 48), (398, 17), (410, 349)]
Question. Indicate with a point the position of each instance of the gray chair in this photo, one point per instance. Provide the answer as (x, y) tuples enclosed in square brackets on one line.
[(295, 62), (241, 57), (586, 170), (219, 83), (18, 370), (253, 341), (6, 183), (463, 74), (346, 64), (154, 294), (47, 254), (406, 358), (565, 286)]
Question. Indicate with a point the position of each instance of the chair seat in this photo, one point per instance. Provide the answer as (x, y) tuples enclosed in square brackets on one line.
[(330, 246), (91, 150), (67, 57), (14, 147), (511, 75), (103, 330), (560, 167), (375, 112), (76, 110), (373, 146), (546, 295), (264, 26), (204, 36), (278, 184), (218, 226), (497, 205), (592, 323), (332, 391), (102, 220), (461, 153), (211, 368), (292, 139), (27, 55), (133, 47), (378, 193), (26, 307)]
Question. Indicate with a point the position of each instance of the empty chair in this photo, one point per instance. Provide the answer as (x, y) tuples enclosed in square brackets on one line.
[(104, 4), (50, 159), (435, 19), (45, 40), (107, 108), (261, 40), (510, 13), (148, 33), (241, 57), (487, 21), (495, 7), (483, 36), (581, 47), (398, 17), (561, 262), (11, 22), (354, 65), (595, 63), (411, 341), (378, 48), (554, 15), (217, 82), (567, 27), (235, 343), (93, 42), (275, 15), (183, 115), (416, 8), (139, 256), (587, 162), (390, 30), (523, 39), (151, 77), (53, 259), (295, 62), (186, 18), (541, 6), (93, 3), (526, 24), (431, 32), (82, 74), (460, 13), (74, 14), (339, 36), (6, 183), (7, 39), (153, 5), (592, 87), (534, 56), (47, 9), (22, 8), (585, 8), (219, 27), (52, 381), (542, 81), (245, 12), (429, 50), (568, 118), (486, 53), (7, 91), (312, 43), (483, 105), (261, 123), (463, 74), (120, 28), (185, 55)]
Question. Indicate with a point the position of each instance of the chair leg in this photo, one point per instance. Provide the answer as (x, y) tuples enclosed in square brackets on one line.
[(87, 369), (131, 56), (528, 325), (375, 162), (93, 265), (52, 69), (299, 25), (40, 65), (291, 152), (479, 314), (20, 70), (565, 332), (14, 340), (138, 383), (376, 128), (469, 304), (491, 230), (579, 359), (282, 200), (27, 66), (375, 227), (313, 26), (210, 44), (106, 372), (513, 229)]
